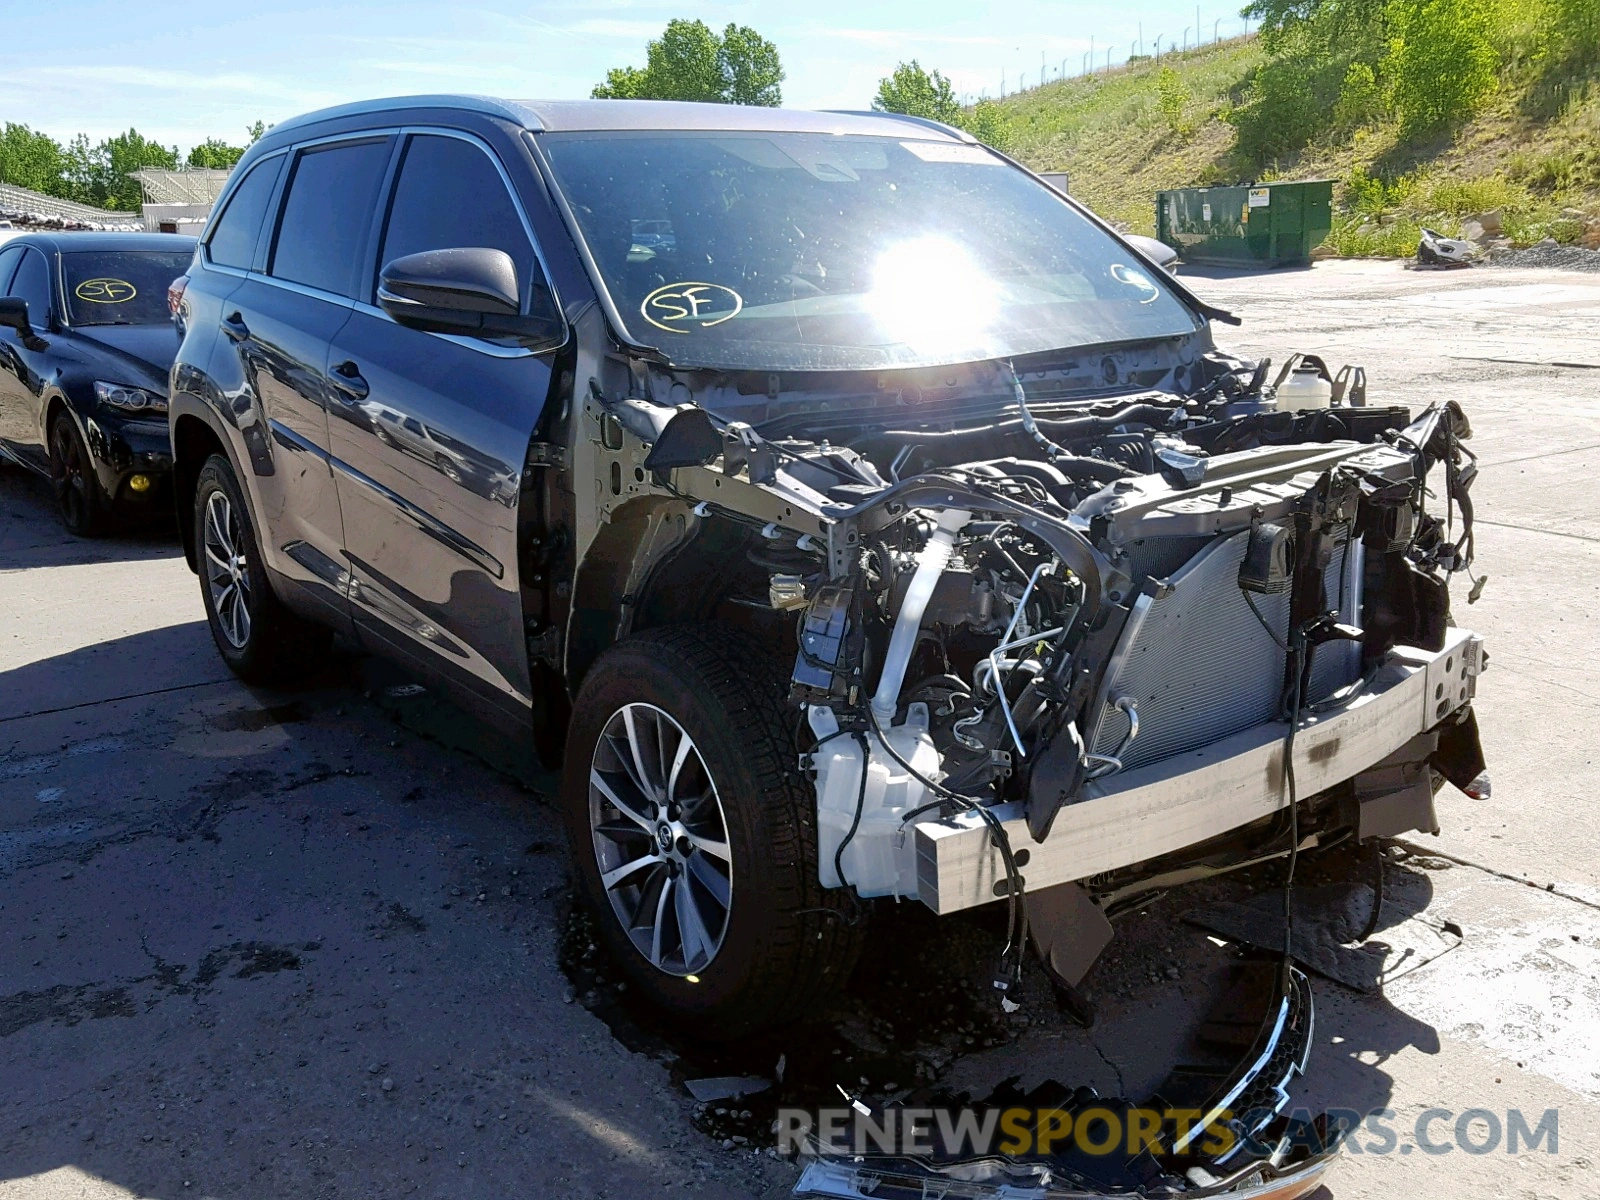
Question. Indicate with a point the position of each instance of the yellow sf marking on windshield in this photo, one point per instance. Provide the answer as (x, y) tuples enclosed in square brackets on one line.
[(704, 304), (105, 291)]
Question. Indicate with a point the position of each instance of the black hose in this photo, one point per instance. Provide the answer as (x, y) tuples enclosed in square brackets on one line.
[(861, 801), (1295, 649), (1016, 916)]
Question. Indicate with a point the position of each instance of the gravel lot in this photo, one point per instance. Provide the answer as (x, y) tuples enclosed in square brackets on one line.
[(317, 943)]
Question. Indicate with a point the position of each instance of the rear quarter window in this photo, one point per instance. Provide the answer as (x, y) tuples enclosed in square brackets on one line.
[(233, 241)]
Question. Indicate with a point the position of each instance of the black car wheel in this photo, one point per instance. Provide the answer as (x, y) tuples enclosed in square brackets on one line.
[(259, 639), (694, 835), (83, 504)]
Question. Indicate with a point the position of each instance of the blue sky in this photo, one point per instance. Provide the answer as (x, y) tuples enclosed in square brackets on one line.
[(183, 72)]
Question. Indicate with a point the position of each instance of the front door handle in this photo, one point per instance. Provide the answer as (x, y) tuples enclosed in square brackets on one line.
[(235, 327), (347, 378)]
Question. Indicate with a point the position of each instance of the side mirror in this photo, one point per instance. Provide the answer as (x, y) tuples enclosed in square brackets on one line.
[(1161, 254), (14, 313), (471, 290)]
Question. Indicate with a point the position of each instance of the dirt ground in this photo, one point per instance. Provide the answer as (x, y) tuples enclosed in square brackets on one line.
[(318, 943)]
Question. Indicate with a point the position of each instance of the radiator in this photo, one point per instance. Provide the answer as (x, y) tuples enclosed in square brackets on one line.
[(1199, 664)]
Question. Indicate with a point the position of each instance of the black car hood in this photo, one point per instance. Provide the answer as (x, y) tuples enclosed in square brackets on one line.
[(148, 349)]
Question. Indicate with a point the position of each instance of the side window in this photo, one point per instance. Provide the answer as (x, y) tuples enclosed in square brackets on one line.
[(8, 264), (233, 241), (32, 283), (323, 232), (450, 195)]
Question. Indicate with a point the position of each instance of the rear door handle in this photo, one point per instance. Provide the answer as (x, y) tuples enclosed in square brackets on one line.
[(347, 378), (235, 327)]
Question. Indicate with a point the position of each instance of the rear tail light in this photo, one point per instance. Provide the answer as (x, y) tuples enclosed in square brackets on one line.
[(175, 294)]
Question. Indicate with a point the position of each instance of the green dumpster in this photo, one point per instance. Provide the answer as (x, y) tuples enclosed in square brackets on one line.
[(1272, 225)]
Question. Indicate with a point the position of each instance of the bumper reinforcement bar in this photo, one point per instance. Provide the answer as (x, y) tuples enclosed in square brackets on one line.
[(1153, 810)]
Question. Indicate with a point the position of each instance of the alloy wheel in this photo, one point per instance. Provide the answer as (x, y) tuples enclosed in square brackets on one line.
[(660, 839), (69, 474), (227, 572)]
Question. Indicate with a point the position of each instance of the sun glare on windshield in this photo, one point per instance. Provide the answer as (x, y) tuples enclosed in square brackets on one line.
[(813, 251), (928, 293)]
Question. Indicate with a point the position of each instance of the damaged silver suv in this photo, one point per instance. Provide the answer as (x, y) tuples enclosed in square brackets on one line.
[(844, 512)]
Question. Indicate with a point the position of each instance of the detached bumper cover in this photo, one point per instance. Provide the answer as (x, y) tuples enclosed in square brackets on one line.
[(1166, 806), (842, 1181), (1268, 1012)]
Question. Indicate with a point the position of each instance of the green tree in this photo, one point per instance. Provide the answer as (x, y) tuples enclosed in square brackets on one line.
[(215, 154), (30, 159), (1347, 21), (915, 92), (691, 62), (1574, 34), (102, 174), (1361, 98), (257, 131), (83, 175), (918, 93), (987, 121), (125, 154), (1442, 62), (750, 68), (1292, 98)]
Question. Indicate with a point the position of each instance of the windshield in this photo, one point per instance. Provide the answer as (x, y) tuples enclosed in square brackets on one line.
[(120, 287), (819, 252)]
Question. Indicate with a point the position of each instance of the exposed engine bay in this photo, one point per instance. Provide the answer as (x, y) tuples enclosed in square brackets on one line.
[(1017, 609)]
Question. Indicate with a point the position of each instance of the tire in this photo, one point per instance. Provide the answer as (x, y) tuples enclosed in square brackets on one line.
[(84, 506), (782, 941), (260, 640)]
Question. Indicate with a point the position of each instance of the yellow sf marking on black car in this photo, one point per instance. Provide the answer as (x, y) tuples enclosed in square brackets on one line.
[(105, 291), (704, 304)]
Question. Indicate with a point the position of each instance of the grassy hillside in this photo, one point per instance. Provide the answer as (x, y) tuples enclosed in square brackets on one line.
[(1107, 132), (1121, 144)]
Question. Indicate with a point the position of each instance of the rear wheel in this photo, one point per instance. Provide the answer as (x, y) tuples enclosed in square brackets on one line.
[(84, 506), (259, 639), (694, 835)]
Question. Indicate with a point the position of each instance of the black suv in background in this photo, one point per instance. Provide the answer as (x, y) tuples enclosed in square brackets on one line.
[(845, 512)]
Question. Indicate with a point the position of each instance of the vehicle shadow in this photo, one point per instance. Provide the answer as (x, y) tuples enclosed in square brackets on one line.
[(31, 533), (268, 943), (168, 659)]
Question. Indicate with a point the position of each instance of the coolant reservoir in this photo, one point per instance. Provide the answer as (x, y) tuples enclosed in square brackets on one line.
[(880, 859), (1306, 388)]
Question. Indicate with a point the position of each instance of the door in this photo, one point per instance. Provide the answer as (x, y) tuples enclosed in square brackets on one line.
[(431, 433), (20, 383), (279, 323)]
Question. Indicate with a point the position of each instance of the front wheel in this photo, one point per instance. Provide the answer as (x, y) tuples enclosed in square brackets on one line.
[(259, 639), (694, 835), (84, 506)]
